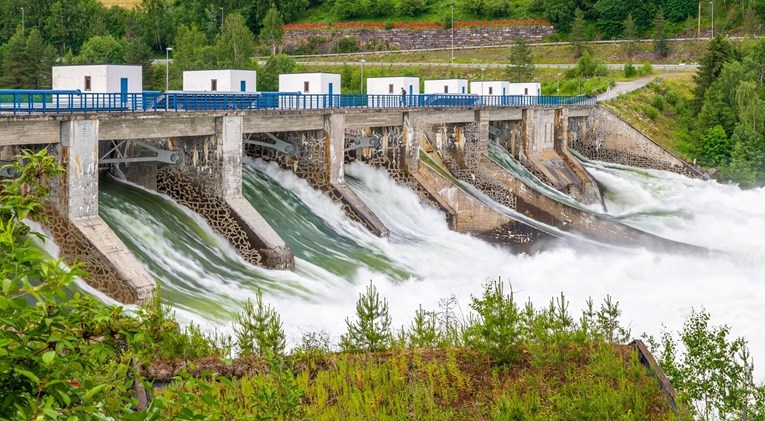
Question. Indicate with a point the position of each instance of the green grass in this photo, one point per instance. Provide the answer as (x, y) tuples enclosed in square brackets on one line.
[(595, 381), (660, 123)]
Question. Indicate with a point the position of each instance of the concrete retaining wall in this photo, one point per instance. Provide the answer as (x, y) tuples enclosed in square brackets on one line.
[(603, 136)]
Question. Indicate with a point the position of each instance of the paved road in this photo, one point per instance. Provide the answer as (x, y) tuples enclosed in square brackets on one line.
[(621, 88), (666, 67)]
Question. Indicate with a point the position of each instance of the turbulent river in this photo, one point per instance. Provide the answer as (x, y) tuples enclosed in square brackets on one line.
[(423, 261)]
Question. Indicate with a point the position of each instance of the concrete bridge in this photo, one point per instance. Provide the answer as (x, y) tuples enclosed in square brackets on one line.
[(195, 157)]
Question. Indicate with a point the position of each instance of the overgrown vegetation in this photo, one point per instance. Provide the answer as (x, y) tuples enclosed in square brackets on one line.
[(77, 358), (720, 123)]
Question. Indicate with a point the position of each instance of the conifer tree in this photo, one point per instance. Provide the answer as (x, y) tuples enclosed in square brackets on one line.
[(273, 30), (371, 331), (522, 67), (578, 35), (259, 329), (660, 43), (630, 36)]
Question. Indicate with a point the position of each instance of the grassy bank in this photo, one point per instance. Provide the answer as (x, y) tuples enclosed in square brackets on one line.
[(596, 381), (657, 109), (680, 52)]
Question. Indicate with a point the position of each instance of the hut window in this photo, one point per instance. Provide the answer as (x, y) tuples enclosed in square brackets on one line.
[(87, 83)]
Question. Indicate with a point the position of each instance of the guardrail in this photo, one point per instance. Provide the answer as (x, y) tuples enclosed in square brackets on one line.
[(69, 102)]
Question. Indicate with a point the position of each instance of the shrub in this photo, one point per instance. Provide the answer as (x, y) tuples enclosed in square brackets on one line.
[(645, 69), (658, 102), (348, 44), (651, 112), (629, 70), (672, 98)]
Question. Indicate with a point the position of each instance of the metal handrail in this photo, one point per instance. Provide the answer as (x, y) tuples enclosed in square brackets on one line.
[(70, 102)]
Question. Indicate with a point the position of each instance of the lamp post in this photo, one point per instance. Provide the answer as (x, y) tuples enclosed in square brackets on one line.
[(221, 18), (452, 7), (361, 78), (22, 20), (167, 68), (712, 2), (482, 80), (557, 89)]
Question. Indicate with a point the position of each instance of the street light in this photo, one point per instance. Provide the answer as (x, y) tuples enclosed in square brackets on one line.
[(452, 7), (557, 90), (361, 79), (221, 17), (482, 80), (713, 17), (22, 20), (167, 68)]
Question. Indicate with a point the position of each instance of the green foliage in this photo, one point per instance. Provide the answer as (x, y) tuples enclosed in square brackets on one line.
[(235, 45), (371, 330), (645, 69), (102, 50), (587, 67), (660, 43), (719, 52), (578, 35), (273, 31), (259, 329), (411, 7), (273, 395), (716, 148), (630, 34), (629, 71), (347, 44), (712, 372), (496, 331), (27, 62), (268, 79), (423, 332), (521, 67)]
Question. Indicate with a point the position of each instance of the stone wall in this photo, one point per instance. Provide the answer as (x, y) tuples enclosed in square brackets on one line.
[(323, 41), (605, 137)]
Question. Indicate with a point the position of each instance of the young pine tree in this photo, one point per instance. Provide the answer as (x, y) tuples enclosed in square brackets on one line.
[(273, 30), (660, 43), (259, 329), (371, 331), (630, 36), (521, 61), (578, 35)]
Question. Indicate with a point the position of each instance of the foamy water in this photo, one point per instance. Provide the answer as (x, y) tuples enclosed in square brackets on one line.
[(423, 261)]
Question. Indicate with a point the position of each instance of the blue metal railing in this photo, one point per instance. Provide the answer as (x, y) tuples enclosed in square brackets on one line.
[(68, 102)]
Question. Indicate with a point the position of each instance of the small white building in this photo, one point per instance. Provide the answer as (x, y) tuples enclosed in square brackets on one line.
[(99, 78), (310, 83), (220, 80), (379, 87), (393, 85), (313, 90), (446, 86), (526, 89), (493, 88)]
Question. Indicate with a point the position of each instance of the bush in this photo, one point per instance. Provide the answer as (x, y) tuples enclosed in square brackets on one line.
[(349, 44), (672, 98), (658, 102), (629, 70), (651, 112), (645, 69), (497, 330)]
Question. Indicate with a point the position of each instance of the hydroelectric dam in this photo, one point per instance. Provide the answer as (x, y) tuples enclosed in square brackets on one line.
[(309, 200)]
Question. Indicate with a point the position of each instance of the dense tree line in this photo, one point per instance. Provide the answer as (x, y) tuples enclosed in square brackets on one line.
[(725, 123)]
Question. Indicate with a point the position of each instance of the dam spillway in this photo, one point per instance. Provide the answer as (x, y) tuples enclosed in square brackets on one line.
[(424, 261)]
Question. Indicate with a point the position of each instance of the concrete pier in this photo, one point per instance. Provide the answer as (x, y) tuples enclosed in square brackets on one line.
[(78, 230), (209, 182)]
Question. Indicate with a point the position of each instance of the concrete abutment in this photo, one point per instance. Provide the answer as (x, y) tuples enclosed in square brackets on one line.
[(74, 224)]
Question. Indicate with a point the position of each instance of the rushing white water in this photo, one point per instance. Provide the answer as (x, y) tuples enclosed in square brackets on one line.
[(423, 261)]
